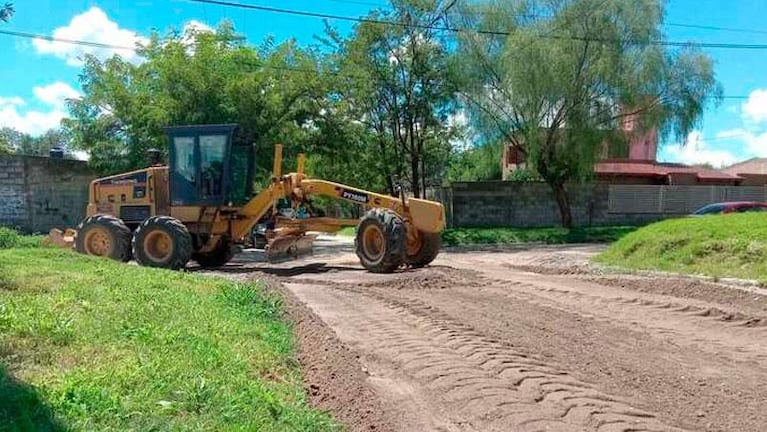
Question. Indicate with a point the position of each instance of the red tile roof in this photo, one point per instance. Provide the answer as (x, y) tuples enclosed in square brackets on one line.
[(655, 169)]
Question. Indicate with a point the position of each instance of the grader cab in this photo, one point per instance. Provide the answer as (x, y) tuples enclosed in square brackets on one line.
[(201, 205)]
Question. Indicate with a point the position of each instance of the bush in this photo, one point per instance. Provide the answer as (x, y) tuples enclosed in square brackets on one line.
[(10, 239)]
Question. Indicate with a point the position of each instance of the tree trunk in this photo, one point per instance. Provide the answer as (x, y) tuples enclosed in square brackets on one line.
[(565, 215), (416, 178)]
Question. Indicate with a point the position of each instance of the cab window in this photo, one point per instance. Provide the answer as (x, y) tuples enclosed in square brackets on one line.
[(212, 150)]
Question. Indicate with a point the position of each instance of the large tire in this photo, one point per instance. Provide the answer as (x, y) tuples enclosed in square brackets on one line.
[(104, 235), (430, 245), (162, 241), (222, 254), (380, 241)]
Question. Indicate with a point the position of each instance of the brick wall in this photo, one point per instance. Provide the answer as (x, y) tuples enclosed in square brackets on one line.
[(39, 193)]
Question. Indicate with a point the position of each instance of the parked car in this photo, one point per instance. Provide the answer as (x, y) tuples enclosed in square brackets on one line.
[(731, 207)]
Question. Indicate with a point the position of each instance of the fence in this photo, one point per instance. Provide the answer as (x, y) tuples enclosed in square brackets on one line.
[(533, 204)]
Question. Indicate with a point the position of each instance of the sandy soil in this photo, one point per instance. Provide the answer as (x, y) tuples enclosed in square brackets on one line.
[(529, 339)]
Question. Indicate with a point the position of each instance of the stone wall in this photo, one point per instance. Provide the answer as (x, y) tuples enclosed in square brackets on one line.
[(39, 193)]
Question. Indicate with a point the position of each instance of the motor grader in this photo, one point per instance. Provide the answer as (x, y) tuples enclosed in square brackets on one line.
[(201, 206)]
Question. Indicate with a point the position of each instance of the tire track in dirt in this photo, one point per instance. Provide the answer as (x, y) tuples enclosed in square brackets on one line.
[(714, 329), (484, 383)]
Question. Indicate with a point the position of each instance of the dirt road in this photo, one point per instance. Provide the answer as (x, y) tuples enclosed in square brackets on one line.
[(525, 340)]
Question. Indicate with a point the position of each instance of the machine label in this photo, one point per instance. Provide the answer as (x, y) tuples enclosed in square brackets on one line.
[(355, 196)]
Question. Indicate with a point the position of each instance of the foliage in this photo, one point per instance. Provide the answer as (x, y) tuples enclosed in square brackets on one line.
[(97, 345), (393, 83), (717, 245), (13, 141), (12, 239), (571, 75), (474, 236), (478, 163), (196, 78), (6, 12)]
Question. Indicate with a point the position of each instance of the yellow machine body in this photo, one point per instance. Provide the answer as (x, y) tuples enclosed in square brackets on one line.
[(133, 198)]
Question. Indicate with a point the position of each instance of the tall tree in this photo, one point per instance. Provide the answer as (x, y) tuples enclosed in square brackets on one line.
[(560, 79), (395, 80), (205, 77)]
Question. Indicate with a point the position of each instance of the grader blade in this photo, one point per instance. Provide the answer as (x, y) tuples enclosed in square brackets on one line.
[(61, 239), (289, 247)]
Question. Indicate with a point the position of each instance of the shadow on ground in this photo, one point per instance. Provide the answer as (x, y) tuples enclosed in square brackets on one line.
[(22, 409), (280, 271)]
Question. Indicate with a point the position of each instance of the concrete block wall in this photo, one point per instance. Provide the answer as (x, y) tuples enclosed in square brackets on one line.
[(39, 193), (516, 204), (13, 202)]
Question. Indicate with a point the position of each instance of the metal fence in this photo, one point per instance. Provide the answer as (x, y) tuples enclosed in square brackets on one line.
[(676, 200)]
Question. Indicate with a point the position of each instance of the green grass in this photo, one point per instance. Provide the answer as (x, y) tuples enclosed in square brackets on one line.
[(469, 236), (500, 236), (719, 246), (12, 239), (90, 344)]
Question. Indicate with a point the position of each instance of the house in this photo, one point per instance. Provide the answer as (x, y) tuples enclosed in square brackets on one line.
[(753, 171), (639, 165)]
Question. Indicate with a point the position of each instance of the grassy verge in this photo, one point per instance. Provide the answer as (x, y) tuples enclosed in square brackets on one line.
[(468, 236), (90, 344), (719, 246)]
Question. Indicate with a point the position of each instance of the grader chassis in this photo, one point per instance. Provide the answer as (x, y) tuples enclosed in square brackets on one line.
[(200, 206)]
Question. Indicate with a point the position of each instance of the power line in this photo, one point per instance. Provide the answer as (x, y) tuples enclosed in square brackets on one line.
[(669, 24), (716, 28), (121, 47), (64, 40), (233, 4)]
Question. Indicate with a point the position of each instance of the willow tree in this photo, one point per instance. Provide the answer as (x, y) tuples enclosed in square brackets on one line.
[(558, 79)]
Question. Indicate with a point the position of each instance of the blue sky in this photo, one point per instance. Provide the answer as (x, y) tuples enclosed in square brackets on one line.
[(44, 73)]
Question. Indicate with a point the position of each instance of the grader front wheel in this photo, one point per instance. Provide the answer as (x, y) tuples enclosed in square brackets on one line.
[(380, 241)]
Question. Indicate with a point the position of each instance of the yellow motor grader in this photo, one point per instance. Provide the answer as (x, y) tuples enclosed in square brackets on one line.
[(201, 205)]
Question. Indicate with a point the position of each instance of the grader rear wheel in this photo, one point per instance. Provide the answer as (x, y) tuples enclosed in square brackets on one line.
[(163, 242), (104, 235), (380, 241), (425, 251)]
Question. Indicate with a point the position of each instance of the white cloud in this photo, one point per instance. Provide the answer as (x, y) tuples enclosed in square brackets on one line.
[(93, 26), (36, 122), (56, 94), (755, 143), (11, 101), (755, 108), (696, 151)]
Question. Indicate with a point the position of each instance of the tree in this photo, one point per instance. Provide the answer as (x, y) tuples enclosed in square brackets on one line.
[(480, 163), (394, 81), (6, 12), (13, 141), (559, 79), (205, 77)]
